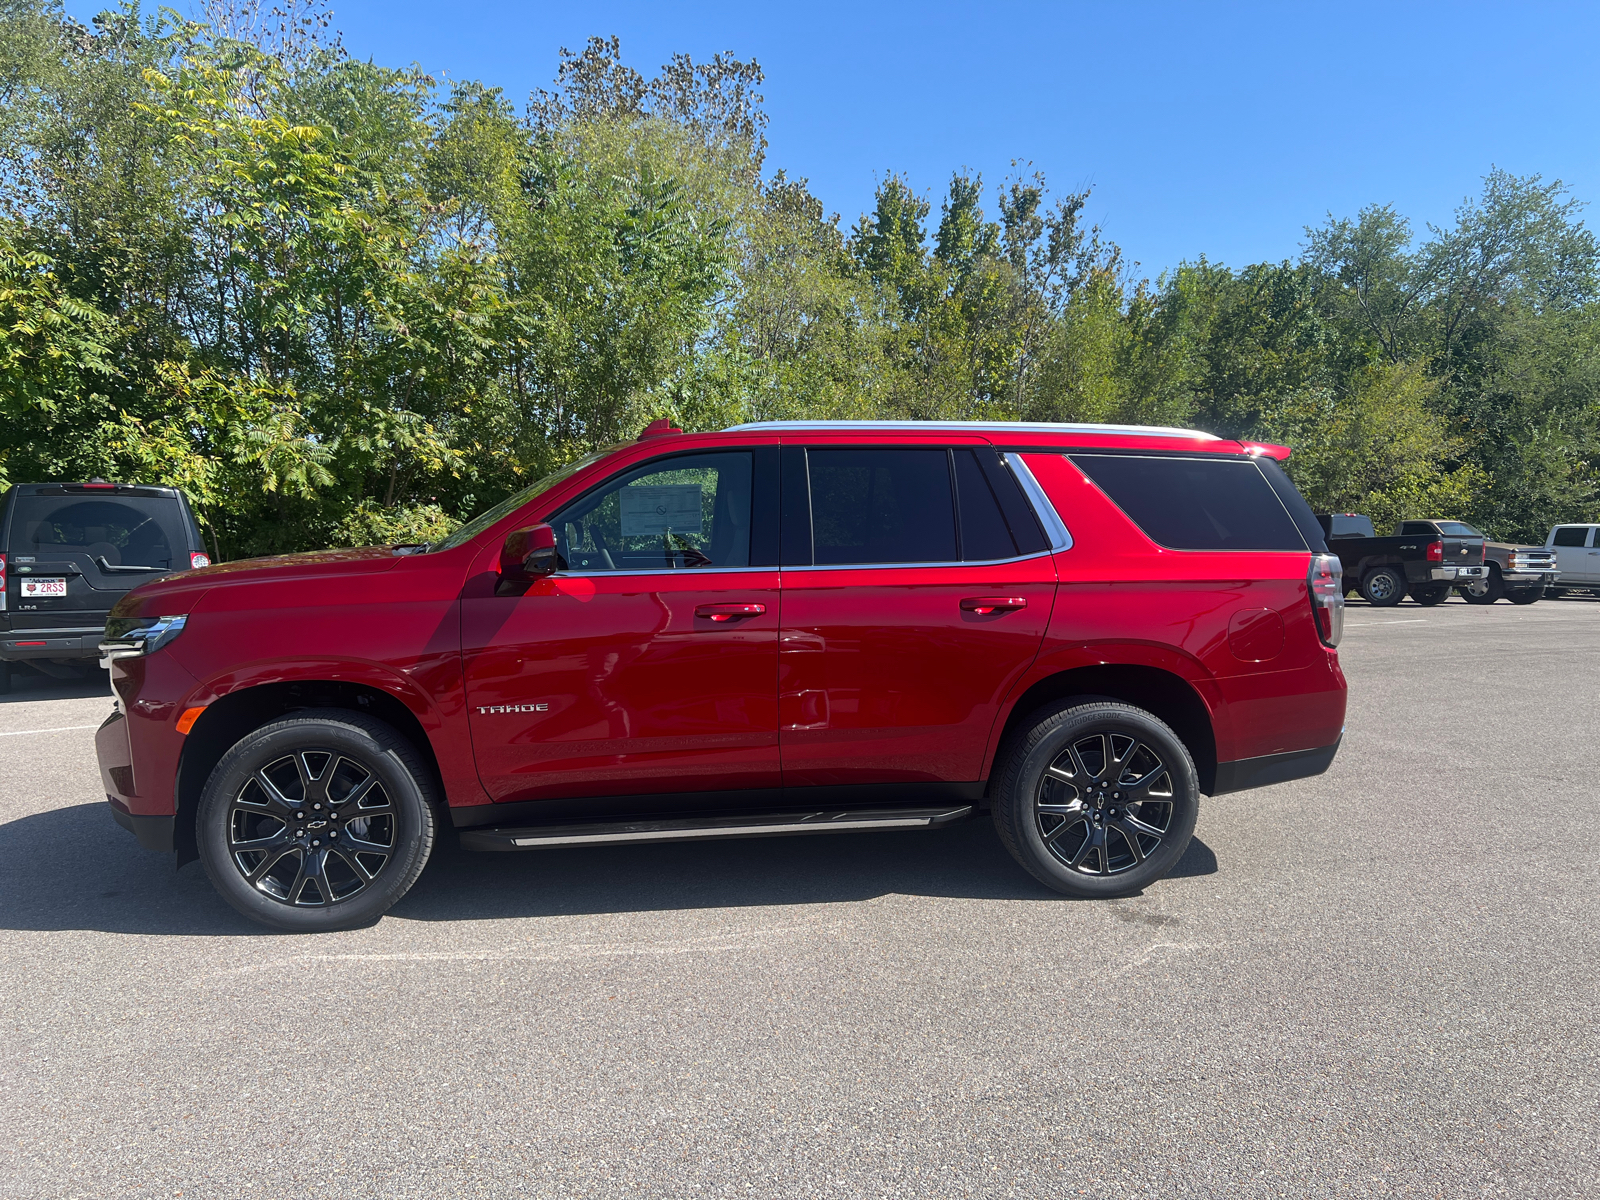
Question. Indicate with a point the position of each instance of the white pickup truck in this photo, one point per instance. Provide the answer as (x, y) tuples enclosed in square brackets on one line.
[(1577, 551)]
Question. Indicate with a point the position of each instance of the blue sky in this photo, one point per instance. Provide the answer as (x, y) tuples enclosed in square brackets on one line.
[(1221, 129)]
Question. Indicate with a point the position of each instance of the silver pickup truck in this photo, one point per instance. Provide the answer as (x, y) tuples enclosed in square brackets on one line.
[(1577, 553)]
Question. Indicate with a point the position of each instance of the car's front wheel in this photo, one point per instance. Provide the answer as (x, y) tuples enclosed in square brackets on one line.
[(317, 821), (1097, 799)]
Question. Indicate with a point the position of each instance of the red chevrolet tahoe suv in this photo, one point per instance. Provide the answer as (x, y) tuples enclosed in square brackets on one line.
[(778, 628)]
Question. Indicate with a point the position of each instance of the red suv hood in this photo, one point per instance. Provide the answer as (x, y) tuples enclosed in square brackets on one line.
[(178, 592)]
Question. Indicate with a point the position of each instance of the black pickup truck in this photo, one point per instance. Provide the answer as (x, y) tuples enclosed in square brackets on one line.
[(1385, 570)]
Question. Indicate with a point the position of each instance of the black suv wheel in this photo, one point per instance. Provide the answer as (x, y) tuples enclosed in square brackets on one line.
[(318, 821), (1099, 799)]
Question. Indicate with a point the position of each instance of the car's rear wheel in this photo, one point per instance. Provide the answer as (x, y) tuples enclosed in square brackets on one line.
[(1097, 799), (1434, 593), (317, 821), (1383, 586)]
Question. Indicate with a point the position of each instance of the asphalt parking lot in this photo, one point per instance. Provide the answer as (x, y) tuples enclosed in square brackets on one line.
[(1380, 982)]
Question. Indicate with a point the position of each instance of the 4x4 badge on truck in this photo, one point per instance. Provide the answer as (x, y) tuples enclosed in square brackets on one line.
[(513, 708)]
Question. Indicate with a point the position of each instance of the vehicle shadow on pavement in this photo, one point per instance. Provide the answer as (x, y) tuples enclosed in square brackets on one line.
[(965, 861), (31, 686), (74, 868)]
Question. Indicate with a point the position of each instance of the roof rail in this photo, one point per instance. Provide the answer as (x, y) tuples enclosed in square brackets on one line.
[(985, 426)]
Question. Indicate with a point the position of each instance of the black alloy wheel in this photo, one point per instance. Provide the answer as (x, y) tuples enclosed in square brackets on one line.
[(1433, 593), (317, 821), (1099, 799), (1383, 586), (312, 828), (1105, 804)]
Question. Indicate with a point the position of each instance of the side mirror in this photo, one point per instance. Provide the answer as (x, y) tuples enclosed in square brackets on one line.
[(528, 554)]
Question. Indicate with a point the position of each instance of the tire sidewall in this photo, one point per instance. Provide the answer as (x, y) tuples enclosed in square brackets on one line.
[(1049, 735), (1398, 594), (357, 736)]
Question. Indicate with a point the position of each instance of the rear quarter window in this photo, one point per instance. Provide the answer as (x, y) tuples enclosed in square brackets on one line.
[(1195, 503)]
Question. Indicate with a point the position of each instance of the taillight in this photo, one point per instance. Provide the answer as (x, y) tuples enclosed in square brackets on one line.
[(1435, 551), (197, 560), (1325, 582), (2, 583)]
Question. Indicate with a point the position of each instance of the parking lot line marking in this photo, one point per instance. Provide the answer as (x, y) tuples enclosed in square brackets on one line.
[(57, 729), (1368, 624), (719, 943)]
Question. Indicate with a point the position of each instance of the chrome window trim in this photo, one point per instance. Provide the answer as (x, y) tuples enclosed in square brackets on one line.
[(886, 566), (978, 427), (695, 571), (1055, 529), (872, 566)]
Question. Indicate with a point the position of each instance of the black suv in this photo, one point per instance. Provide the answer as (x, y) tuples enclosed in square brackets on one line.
[(68, 551)]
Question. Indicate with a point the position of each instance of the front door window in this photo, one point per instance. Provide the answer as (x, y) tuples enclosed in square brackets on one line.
[(687, 513)]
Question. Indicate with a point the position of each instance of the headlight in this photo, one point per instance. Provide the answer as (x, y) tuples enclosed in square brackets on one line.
[(134, 637)]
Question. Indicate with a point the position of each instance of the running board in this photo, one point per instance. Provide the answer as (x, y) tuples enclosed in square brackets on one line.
[(683, 829)]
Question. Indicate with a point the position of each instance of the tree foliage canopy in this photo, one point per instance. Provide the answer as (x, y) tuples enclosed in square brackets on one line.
[(341, 303)]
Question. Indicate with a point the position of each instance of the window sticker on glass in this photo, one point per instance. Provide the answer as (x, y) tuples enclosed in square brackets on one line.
[(668, 509)]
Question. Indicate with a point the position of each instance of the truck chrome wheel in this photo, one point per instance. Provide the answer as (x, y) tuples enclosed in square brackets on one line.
[(312, 828), (319, 820), (1105, 804)]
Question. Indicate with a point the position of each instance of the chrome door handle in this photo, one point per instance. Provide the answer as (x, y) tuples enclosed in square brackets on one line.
[(728, 612), (984, 605)]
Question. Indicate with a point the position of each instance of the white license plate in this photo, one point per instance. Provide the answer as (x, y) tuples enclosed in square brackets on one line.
[(44, 587)]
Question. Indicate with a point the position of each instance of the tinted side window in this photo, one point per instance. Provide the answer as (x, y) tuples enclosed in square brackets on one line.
[(1345, 525), (881, 506), (1195, 504), (1570, 536), (1310, 525), (688, 512), (985, 536), (1410, 527)]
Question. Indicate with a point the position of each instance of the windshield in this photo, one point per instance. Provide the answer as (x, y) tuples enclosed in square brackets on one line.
[(1457, 529), (510, 504)]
